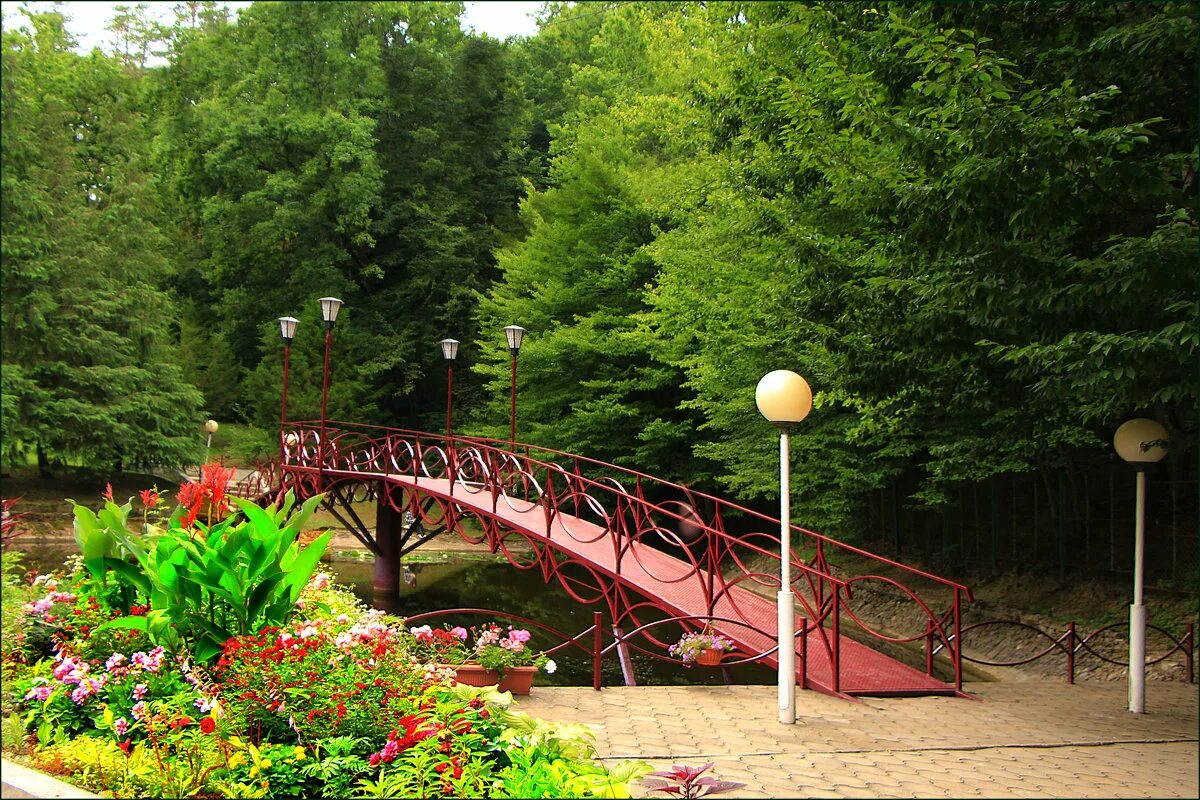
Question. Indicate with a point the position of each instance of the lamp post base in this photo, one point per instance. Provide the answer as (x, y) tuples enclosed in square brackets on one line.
[(787, 657), (1137, 658)]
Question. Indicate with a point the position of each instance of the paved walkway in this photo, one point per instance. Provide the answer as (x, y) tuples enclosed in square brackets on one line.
[(1020, 739)]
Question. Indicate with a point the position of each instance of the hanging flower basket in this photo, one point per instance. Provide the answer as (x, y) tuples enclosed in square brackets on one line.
[(705, 648)]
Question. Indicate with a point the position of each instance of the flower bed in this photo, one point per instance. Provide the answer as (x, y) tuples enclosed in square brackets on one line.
[(198, 660)]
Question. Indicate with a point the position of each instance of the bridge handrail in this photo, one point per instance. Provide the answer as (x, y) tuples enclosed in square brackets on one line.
[(806, 569), (720, 502), (494, 456)]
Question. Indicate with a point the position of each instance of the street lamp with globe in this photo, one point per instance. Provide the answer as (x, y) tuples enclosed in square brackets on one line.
[(1142, 443), (785, 399)]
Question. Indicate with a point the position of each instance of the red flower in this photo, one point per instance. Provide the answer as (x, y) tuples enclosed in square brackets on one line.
[(208, 725), (149, 498), (108, 492), (125, 745)]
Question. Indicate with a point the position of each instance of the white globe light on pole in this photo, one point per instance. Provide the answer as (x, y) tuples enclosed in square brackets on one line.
[(785, 399), (1141, 442), (210, 428)]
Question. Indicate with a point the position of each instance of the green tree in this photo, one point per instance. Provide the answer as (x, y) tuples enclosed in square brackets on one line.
[(85, 327), (591, 378), (970, 245)]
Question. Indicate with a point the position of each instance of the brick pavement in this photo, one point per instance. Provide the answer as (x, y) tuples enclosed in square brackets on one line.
[(1019, 739)]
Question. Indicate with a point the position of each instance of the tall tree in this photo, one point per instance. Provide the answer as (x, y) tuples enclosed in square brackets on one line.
[(591, 379), (971, 245), (90, 371)]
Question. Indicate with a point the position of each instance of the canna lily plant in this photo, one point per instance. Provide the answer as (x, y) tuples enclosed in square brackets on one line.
[(205, 584)]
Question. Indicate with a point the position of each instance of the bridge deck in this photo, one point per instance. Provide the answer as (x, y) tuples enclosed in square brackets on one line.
[(863, 670)]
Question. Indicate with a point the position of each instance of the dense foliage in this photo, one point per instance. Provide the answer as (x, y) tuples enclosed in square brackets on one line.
[(204, 681), (971, 226)]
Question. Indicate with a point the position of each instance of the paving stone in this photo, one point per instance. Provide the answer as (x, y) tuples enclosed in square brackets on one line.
[(1031, 739)]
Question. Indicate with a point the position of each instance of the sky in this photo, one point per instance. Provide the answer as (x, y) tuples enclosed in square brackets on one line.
[(86, 20)]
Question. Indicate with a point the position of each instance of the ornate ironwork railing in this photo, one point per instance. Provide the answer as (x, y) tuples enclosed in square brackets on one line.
[(721, 545), (1071, 645)]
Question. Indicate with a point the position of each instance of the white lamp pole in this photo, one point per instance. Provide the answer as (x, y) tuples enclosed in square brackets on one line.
[(785, 399), (1141, 442), (210, 428)]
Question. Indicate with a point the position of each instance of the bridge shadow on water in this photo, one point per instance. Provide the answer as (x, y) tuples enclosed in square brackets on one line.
[(470, 582)]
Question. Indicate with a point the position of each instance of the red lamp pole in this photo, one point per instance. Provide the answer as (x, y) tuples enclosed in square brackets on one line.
[(449, 352), (515, 334), (287, 328), (329, 312)]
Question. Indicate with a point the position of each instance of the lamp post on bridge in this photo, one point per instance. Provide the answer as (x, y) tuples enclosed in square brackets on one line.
[(449, 352), (287, 329), (329, 312), (1141, 442), (785, 399), (515, 335)]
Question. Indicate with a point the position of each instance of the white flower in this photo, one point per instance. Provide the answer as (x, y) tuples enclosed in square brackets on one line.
[(551, 666)]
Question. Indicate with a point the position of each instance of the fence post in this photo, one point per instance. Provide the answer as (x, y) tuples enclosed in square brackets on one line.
[(1071, 653), (929, 650), (804, 654), (597, 647), (837, 639), (958, 642)]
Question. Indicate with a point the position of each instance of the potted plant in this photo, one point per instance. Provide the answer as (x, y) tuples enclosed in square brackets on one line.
[(706, 648), (483, 656)]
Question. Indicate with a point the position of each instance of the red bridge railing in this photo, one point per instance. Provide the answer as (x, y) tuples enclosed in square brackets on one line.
[(723, 544)]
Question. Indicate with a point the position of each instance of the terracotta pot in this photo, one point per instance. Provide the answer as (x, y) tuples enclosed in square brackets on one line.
[(710, 658), (518, 680)]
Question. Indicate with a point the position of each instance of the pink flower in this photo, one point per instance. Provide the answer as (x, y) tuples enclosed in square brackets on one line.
[(518, 635), (121, 726), (114, 661), (139, 691), (39, 693), (460, 632), (139, 710)]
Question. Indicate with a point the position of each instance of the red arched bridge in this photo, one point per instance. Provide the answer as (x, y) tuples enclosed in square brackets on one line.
[(641, 546)]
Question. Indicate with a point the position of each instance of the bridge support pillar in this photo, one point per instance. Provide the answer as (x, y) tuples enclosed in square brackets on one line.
[(623, 657), (388, 531)]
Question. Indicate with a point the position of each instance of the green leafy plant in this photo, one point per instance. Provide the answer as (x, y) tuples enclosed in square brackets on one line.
[(335, 766), (206, 585)]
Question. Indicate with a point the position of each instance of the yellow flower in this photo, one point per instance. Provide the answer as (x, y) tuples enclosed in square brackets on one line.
[(236, 760), (299, 753), (265, 763), (254, 772)]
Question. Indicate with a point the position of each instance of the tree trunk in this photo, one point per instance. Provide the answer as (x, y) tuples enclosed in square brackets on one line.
[(43, 461)]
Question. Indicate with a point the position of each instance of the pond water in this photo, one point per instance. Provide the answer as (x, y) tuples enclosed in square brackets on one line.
[(468, 580)]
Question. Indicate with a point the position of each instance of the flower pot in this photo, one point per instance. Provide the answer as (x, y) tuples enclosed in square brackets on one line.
[(517, 680), (709, 658)]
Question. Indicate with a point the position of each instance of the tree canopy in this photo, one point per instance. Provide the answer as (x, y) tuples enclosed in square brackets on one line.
[(972, 227)]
